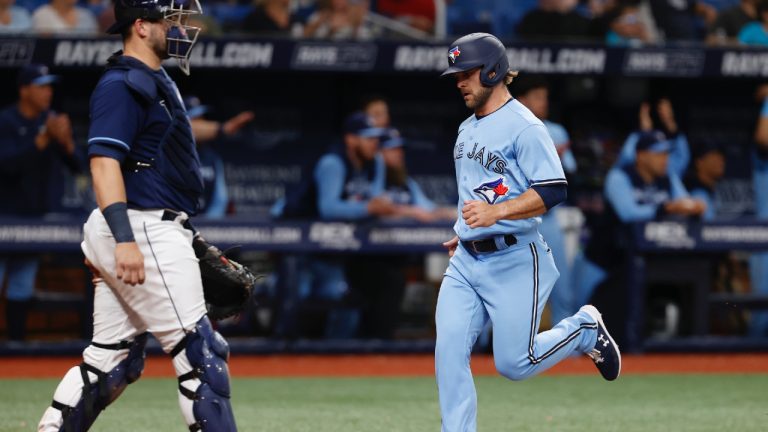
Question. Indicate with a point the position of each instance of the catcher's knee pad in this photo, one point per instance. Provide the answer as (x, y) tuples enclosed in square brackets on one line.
[(207, 352), (107, 387)]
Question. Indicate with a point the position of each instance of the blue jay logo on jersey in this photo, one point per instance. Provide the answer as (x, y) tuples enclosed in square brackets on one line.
[(453, 53), (491, 191)]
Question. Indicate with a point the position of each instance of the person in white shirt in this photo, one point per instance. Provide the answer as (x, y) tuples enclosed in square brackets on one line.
[(63, 17)]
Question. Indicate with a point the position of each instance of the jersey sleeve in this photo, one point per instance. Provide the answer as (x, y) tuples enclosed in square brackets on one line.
[(420, 199), (537, 158), (116, 119), (678, 188), (329, 177), (618, 191), (379, 182)]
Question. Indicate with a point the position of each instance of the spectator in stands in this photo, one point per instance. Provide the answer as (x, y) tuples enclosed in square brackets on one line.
[(533, 92), (707, 169), (64, 17), (33, 139), (339, 19), (730, 21), (419, 14), (626, 25), (553, 20), (272, 17), (758, 265), (678, 19), (214, 201), (13, 19), (756, 32)]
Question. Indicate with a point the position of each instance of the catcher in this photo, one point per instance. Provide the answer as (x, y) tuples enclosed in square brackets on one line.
[(139, 243)]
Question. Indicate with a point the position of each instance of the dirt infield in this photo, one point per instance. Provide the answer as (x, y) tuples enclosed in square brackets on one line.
[(398, 365)]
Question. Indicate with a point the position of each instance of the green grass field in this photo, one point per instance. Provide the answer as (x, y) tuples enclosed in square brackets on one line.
[(550, 403)]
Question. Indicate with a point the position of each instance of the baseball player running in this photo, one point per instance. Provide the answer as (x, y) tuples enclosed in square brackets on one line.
[(501, 269), (138, 242)]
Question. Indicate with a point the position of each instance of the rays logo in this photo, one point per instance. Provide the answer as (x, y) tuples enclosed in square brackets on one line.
[(491, 191), (453, 53)]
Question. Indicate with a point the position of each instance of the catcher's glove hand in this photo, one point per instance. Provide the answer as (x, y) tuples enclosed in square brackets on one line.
[(227, 284)]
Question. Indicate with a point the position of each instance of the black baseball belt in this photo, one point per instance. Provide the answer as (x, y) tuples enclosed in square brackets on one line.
[(489, 244)]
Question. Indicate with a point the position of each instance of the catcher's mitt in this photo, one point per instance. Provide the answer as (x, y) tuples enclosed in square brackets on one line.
[(227, 284)]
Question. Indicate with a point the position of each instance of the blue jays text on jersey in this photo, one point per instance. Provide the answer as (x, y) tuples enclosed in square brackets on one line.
[(500, 156), (479, 155)]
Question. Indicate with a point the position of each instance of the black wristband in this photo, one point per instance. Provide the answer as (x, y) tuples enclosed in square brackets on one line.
[(116, 216)]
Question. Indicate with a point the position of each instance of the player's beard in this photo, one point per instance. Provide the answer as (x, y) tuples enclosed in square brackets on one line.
[(479, 98), (159, 43)]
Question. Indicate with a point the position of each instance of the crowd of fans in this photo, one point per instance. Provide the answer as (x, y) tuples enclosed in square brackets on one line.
[(614, 22)]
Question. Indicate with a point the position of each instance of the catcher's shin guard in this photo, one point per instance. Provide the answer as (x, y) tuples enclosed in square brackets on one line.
[(108, 386), (207, 353)]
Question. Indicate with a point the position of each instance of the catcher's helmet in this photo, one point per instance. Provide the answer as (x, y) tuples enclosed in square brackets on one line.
[(479, 50), (181, 37)]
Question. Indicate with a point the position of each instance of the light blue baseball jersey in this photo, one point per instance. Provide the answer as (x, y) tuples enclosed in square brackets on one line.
[(561, 138), (500, 156)]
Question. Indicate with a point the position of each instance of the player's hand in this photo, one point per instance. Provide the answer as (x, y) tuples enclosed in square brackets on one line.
[(478, 214), (236, 123), (686, 207), (451, 245), (667, 115), (416, 213), (59, 128), (381, 206), (129, 263), (644, 117)]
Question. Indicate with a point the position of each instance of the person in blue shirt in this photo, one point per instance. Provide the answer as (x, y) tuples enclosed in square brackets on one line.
[(643, 191), (214, 201), (756, 32), (758, 264), (13, 19), (346, 184), (534, 94), (679, 152), (33, 141), (402, 189), (661, 118), (139, 242), (707, 169), (501, 269)]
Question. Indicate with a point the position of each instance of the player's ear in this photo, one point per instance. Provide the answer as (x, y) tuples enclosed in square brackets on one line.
[(141, 28)]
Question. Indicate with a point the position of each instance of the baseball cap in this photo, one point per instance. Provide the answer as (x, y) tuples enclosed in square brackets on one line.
[(195, 108), (704, 146), (360, 124), (35, 74), (653, 141), (391, 139)]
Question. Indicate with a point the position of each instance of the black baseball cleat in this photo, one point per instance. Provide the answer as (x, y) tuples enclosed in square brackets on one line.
[(605, 353)]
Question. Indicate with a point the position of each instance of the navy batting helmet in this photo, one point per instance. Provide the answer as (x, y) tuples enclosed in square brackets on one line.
[(479, 50)]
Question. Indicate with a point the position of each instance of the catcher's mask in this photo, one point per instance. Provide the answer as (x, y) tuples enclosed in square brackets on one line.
[(180, 37)]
